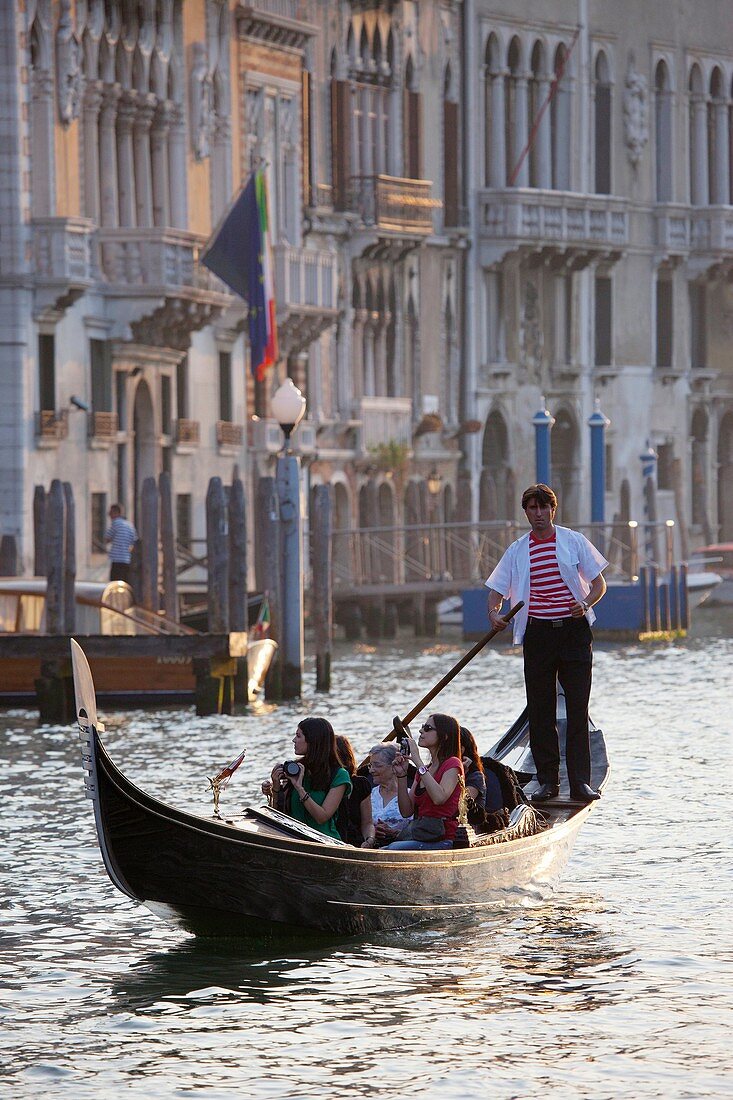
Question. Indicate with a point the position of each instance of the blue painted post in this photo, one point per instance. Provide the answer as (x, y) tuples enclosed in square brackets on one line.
[(543, 422), (598, 423), (684, 604), (648, 459), (646, 610)]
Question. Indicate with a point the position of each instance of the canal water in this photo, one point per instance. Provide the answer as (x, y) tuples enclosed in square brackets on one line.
[(620, 984)]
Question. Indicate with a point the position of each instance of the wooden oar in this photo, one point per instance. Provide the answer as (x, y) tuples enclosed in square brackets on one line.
[(399, 723)]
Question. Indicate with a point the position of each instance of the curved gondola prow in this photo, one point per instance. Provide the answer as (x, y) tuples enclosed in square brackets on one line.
[(86, 716)]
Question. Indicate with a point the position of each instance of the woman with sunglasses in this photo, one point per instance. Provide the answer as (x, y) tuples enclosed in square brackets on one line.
[(322, 781), (437, 789)]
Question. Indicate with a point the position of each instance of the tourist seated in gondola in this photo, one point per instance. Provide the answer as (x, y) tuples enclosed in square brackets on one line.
[(314, 795), (355, 823), (435, 795), (492, 789), (388, 821)]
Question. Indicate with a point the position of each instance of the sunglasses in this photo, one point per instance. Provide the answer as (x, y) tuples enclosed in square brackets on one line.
[(426, 728)]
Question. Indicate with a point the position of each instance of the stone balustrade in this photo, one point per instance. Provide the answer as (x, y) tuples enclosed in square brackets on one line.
[(305, 277), (155, 258), (552, 218)]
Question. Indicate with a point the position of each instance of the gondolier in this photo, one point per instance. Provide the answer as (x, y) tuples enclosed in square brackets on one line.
[(558, 574)]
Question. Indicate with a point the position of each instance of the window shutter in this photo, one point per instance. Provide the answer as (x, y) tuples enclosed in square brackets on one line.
[(340, 142), (450, 163)]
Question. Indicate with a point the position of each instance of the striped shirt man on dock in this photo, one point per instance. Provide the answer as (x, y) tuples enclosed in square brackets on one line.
[(122, 536)]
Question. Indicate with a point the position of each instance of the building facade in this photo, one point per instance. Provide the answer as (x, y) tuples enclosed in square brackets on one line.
[(600, 198), (476, 212)]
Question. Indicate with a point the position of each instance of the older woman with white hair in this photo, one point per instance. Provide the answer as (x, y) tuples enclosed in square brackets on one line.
[(388, 821)]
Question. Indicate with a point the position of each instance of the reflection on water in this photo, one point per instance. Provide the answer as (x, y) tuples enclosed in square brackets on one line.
[(617, 986)]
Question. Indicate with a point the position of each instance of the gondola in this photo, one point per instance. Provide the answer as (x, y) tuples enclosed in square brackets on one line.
[(260, 871)]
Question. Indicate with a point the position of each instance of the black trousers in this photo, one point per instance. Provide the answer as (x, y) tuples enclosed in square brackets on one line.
[(120, 571), (561, 652)]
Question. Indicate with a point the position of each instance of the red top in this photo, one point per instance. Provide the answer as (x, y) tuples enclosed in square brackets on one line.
[(549, 596), (425, 806)]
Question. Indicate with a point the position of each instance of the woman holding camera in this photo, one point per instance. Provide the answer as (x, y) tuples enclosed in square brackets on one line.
[(321, 782), (436, 792)]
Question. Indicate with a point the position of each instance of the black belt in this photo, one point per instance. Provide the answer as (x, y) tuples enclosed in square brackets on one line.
[(550, 622)]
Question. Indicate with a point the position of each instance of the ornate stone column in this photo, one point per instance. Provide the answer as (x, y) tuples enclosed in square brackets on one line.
[(177, 166), (126, 114), (43, 156), (159, 135), (92, 104), (141, 154), (380, 354), (520, 130), (699, 158), (543, 145), (109, 200), (368, 356), (497, 174)]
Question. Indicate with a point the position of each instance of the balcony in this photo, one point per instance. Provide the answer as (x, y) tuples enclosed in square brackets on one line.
[(229, 436), (63, 261), (563, 227), (187, 433), (158, 288), (702, 234), (394, 207), (384, 420), (52, 425), (305, 280), (102, 427)]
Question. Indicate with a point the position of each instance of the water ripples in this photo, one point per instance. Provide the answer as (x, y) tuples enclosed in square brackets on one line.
[(619, 985)]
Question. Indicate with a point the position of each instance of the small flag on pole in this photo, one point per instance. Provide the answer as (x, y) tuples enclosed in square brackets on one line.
[(239, 253)]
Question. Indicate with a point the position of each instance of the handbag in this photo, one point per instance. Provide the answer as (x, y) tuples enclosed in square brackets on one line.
[(425, 829)]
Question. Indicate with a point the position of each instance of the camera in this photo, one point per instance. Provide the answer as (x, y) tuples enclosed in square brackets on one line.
[(404, 746), (291, 769)]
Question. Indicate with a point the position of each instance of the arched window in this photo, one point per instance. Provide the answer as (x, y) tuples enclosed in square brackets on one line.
[(494, 128), (718, 142), (516, 117), (540, 154), (450, 152), (560, 135), (698, 139), (42, 119), (663, 132), (602, 126), (412, 124)]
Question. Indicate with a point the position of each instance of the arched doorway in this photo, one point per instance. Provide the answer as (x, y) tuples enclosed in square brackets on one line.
[(565, 466), (699, 517), (144, 454), (342, 541), (725, 479), (493, 503), (387, 556)]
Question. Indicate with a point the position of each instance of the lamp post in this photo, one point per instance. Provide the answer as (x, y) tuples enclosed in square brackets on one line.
[(598, 423), (543, 422), (288, 408)]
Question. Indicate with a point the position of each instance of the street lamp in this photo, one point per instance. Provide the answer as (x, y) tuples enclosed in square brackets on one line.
[(288, 408), (435, 482)]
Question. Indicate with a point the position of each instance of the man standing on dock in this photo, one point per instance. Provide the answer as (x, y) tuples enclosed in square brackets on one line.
[(122, 536), (558, 574)]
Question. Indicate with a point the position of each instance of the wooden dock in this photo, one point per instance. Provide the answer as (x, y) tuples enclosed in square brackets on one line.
[(209, 670)]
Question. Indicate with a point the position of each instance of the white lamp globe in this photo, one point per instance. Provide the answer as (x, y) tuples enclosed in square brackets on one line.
[(288, 406)]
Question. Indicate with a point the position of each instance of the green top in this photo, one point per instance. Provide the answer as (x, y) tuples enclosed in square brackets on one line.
[(300, 812)]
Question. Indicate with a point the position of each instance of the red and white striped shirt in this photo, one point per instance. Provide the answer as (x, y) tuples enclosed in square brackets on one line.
[(549, 596)]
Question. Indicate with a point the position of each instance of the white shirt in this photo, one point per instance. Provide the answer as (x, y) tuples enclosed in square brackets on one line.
[(578, 561), (388, 812)]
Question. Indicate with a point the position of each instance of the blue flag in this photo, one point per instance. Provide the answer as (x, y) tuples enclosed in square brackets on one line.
[(238, 253)]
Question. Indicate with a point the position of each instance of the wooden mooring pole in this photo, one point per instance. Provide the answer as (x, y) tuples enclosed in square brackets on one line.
[(268, 535), (54, 686), (168, 546), (238, 619)]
